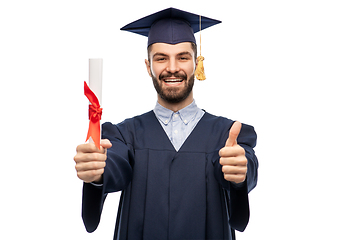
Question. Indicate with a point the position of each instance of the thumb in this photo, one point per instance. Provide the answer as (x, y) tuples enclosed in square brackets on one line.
[(105, 143), (233, 134)]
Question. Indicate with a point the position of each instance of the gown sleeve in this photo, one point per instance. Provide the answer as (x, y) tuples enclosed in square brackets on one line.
[(116, 177), (248, 140), (239, 205), (237, 194)]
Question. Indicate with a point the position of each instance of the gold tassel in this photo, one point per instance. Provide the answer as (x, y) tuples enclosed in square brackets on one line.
[(199, 71)]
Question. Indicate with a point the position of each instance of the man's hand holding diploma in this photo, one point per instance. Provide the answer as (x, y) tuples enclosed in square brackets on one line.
[(233, 158), (91, 157), (90, 161)]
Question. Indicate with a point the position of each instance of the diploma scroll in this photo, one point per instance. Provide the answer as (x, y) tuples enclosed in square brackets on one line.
[(94, 93), (95, 77)]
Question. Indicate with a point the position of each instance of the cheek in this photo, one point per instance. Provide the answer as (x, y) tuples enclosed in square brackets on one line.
[(155, 71), (191, 69)]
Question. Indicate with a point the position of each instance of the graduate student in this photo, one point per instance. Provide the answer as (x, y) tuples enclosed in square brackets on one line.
[(183, 172)]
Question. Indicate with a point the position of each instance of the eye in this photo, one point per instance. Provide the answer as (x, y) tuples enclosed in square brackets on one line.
[(160, 59), (184, 58)]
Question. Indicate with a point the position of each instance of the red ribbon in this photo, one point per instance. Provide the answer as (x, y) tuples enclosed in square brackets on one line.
[(95, 113)]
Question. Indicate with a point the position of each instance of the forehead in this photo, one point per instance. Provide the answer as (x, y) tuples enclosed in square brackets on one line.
[(171, 49)]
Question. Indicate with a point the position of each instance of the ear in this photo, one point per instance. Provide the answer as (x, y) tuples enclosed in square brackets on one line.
[(148, 68)]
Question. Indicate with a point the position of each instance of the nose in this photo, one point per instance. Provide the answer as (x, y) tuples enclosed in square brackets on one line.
[(172, 66)]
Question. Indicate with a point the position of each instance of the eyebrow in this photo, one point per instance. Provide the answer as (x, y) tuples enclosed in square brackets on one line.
[(184, 53), (160, 54), (165, 55)]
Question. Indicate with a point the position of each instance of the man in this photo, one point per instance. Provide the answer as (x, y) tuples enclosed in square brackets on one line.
[(183, 173)]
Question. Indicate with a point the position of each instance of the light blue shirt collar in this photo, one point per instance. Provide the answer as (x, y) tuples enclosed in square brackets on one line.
[(187, 114)]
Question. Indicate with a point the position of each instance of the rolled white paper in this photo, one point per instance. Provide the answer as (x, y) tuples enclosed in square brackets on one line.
[(95, 77)]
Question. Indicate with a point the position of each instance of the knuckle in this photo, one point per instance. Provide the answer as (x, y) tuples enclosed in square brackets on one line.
[(226, 169), (94, 157), (221, 152), (98, 165), (227, 177), (92, 173), (244, 161), (237, 178), (241, 179), (98, 157), (80, 175), (78, 148), (97, 172), (88, 175), (77, 167), (94, 165), (240, 149), (77, 158), (91, 147)]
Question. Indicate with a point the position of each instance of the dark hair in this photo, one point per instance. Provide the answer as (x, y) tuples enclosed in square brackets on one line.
[(194, 48)]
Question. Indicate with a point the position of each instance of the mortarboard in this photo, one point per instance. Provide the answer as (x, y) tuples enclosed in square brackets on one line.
[(172, 26)]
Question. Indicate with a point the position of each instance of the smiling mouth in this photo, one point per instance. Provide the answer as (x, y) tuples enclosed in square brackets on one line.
[(174, 80)]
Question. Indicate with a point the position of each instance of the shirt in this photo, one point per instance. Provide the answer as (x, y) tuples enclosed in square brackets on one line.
[(178, 125)]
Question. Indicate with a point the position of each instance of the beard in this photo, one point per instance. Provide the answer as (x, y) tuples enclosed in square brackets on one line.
[(172, 94)]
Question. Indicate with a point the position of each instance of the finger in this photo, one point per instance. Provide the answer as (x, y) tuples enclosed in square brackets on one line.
[(89, 157), (232, 151), (91, 147), (89, 176), (234, 169), (87, 148), (233, 134), (236, 178), (88, 166), (233, 161)]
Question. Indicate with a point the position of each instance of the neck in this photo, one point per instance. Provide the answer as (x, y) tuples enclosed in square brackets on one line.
[(176, 106)]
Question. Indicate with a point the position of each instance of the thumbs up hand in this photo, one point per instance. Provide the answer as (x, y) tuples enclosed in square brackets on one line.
[(233, 158)]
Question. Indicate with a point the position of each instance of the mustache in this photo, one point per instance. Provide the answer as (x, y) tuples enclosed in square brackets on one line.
[(175, 75)]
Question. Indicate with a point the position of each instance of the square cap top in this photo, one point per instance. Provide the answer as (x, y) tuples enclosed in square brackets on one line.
[(170, 26)]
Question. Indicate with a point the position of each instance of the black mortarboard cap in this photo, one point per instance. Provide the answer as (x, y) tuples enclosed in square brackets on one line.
[(170, 26)]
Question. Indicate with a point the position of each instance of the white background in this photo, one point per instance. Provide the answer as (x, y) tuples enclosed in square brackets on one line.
[(285, 67)]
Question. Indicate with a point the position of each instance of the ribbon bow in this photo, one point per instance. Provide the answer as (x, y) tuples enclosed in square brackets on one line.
[(95, 113)]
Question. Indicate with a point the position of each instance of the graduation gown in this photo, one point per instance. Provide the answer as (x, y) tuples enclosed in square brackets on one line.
[(169, 194)]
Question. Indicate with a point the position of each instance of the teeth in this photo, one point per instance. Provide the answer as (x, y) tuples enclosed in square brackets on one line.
[(173, 80)]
